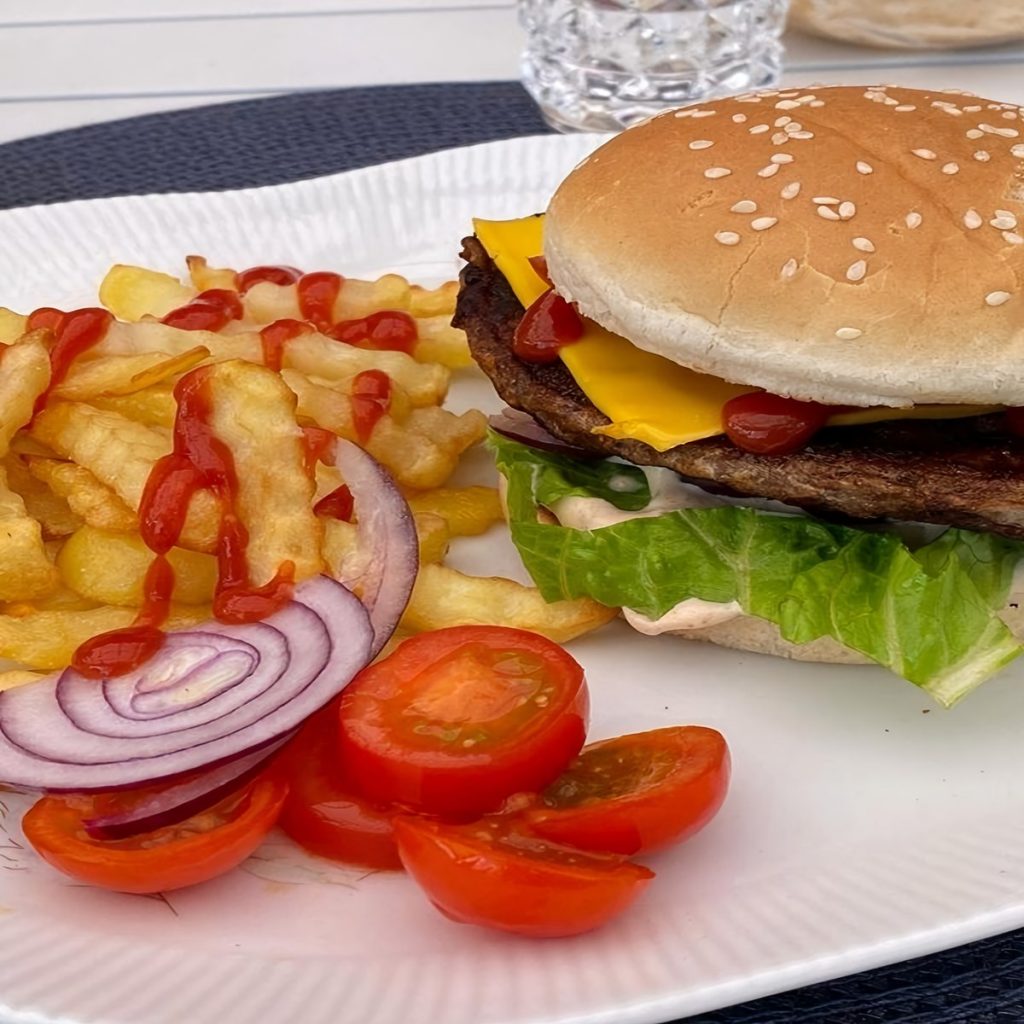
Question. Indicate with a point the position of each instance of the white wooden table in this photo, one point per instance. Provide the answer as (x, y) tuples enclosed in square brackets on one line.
[(65, 63)]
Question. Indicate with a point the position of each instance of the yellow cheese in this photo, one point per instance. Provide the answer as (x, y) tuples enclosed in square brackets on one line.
[(647, 397)]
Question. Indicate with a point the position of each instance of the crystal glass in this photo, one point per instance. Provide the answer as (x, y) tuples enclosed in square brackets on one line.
[(600, 65)]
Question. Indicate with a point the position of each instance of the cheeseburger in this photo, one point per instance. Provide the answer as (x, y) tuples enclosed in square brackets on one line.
[(771, 350)]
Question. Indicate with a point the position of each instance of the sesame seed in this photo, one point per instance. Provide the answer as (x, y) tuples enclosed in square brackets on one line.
[(1007, 213), (789, 268), (704, 113), (758, 129), (847, 210), (817, 103), (717, 172), (791, 191), (790, 94), (951, 168), (974, 108), (904, 108), (807, 98), (1013, 238), (802, 135), (727, 237), (865, 168), (701, 144), (782, 158), (972, 219), (783, 121), (856, 271), (1017, 151), (982, 156), (793, 128), (997, 298), (891, 101), (744, 206), (780, 139), (826, 200), (1006, 133), (739, 118), (769, 171), (764, 223), (924, 154), (1004, 223), (848, 333), (828, 213), (973, 133), (786, 105), (913, 219), (1009, 115), (863, 244)]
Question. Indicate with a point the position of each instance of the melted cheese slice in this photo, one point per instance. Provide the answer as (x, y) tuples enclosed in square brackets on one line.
[(646, 396)]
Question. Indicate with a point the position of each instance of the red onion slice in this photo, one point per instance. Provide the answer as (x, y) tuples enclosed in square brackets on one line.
[(178, 802), (384, 568), (64, 732), (522, 427)]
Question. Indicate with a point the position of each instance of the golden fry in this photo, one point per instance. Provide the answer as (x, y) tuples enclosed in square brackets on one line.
[(253, 413), (120, 453), (125, 375), (88, 500), (110, 568), (154, 406), (421, 451), (24, 376), (47, 640), (17, 677), (266, 302), (468, 511), (152, 336), (25, 571), (445, 597), (439, 342), (433, 301), (12, 326), (205, 277), (50, 510), (131, 293)]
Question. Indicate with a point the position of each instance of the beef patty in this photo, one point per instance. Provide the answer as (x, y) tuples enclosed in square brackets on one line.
[(967, 473)]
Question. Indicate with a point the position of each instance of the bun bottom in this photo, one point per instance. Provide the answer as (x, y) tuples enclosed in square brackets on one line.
[(759, 636)]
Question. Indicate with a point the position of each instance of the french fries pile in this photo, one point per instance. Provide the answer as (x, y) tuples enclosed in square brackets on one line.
[(72, 473)]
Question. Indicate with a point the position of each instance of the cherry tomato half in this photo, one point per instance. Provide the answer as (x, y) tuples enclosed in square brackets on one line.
[(487, 873), (456, 720), (323, 812), (636, 793), (208, 844)]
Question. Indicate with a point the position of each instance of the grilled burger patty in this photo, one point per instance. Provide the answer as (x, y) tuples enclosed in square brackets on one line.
[(967, 473)]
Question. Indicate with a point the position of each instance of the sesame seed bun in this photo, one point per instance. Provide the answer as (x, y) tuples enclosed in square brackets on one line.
[(855, 246)]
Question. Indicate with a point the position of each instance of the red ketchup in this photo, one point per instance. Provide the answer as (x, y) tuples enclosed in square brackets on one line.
[(371, 399), (388, 330), (199, 460), (209, 311), (318, 445), (339, 504), (275, 336), (546, 328), (768, 424), (246, 279), (74, 333), (317, 293)]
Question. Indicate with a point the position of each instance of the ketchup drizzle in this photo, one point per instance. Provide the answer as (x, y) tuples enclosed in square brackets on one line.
[(339, 504), (387, 330), (767, 424), (371, 399), (74, 333), (211, 310), (317, 293), (546, 328), (246, 279), (275, 336), (199, 460)]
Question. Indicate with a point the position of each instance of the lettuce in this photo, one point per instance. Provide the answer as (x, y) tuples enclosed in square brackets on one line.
[(929, 615)]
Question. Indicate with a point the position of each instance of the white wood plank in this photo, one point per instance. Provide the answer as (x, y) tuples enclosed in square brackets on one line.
[(79, 11), (184, 58)]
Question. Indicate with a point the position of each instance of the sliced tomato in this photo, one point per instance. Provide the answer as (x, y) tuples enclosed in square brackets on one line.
[(636, 793), (323, 812), (456, 720), (490, 873), (195, 850)]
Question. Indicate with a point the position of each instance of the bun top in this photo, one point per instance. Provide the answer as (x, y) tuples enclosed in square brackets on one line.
[(855, 246)]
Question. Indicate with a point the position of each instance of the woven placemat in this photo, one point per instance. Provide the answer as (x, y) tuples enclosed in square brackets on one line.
[(287, 138)]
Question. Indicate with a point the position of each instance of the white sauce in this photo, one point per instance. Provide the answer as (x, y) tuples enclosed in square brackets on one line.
[(693, 613)]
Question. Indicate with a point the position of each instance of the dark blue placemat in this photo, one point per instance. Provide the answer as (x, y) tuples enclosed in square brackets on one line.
[(285, 138)]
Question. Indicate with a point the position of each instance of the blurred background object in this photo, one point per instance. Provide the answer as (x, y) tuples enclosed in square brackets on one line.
[(912, 24), (601, 65)]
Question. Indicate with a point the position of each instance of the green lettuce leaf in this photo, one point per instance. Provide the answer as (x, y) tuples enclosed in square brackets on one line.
[(929, 615)]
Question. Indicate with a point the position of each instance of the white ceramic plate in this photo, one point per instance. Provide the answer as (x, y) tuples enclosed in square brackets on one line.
[(864, 825)]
